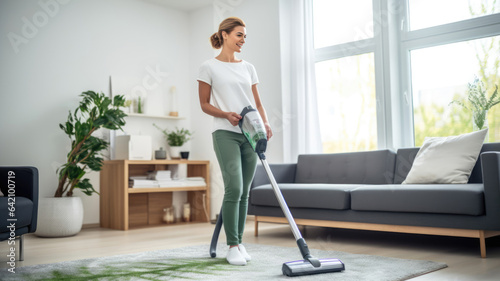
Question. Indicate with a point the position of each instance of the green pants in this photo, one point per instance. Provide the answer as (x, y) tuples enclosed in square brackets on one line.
[(237, 162)]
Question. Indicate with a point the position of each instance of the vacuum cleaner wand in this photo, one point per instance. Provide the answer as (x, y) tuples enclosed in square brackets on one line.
[(253, 128)]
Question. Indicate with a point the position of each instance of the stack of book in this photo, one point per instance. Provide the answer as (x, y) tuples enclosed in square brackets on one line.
[(195, 181), (163, 178), (142, 181)]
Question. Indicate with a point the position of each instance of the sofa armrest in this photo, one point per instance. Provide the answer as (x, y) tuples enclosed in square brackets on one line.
[(490, 162), (283, 173), (25, 181)]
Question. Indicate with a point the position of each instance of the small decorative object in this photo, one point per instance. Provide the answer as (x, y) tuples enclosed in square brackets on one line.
[(184, 155), (186, 212), (128, 106), (175, 139), (133, 147), (168, 217), (139, 105), (160, 154), (175, 152), (173, 102), (479, 103)]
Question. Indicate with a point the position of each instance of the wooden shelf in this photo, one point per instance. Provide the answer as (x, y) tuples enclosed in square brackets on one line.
[(158, 162), (122, 207), (165, 189), (154, 116)]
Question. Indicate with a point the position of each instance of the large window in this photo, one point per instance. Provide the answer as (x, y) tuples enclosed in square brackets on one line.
[(387, 70), (428, 13), (346, 103), (440, 75), (337, 22), (345, 75)]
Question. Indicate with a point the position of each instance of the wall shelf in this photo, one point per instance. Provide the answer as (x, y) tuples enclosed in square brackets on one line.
[(154, 116)]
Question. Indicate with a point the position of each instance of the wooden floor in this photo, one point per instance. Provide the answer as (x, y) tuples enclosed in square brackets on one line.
[(461, 254)]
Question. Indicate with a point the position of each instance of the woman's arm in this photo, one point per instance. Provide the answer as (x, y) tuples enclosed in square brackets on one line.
[(204, 90), (262, 111)]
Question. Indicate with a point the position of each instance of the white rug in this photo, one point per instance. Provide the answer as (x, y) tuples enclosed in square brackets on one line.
[(194, 263)]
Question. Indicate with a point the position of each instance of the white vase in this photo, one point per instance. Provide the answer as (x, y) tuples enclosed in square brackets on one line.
[(59, 216), (175, 152)]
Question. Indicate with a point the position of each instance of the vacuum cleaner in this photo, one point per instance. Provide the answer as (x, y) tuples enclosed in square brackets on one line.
[(252, 127)]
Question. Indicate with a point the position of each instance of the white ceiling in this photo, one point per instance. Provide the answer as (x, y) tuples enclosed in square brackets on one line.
[(183, 5)]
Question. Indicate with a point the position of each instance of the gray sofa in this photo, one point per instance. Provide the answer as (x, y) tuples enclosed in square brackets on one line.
[(363, 190)]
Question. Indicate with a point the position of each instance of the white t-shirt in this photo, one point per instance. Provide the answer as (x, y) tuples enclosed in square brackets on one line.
[(231, 88)]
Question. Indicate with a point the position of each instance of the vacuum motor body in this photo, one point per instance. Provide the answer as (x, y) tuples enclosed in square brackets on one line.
[(253, 128)]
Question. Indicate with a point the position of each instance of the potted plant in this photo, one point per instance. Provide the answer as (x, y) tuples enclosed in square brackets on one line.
[(175, 139), (63, 214), (479, 103)]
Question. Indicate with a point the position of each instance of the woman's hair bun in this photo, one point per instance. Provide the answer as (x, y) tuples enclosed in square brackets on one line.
[(215, 41)]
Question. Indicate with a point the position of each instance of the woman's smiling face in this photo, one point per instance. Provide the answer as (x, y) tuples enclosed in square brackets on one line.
[(235, 40)]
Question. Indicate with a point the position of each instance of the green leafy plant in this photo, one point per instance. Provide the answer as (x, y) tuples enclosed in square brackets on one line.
[(176, 137), (94, 112), (478, 101)]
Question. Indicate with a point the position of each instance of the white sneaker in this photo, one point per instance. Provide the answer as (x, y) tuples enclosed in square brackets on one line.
[(244, 253), (234, 257)]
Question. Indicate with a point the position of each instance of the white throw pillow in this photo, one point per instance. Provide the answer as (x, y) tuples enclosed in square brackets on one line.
[(446, 159)]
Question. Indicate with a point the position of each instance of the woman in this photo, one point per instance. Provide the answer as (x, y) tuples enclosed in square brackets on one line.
[(232, 85)]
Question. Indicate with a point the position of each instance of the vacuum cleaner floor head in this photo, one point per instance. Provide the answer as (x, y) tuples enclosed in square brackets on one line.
[(303, 267)]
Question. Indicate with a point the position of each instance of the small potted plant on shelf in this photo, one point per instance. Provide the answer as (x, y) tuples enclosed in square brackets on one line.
[(479, 103), (62, 215), (175, 139)]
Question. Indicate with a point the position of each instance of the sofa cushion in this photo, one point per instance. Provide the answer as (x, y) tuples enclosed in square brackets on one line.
[(406, 156), (446, 159), (462, 199), (367, 167), (317, 196), (23, 212)]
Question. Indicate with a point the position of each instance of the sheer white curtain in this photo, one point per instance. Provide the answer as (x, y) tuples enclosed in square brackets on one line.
[(300, 111)]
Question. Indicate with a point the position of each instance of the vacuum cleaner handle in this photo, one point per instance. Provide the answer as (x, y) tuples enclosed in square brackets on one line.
[(281, 200), (301, 243), (215, 236)]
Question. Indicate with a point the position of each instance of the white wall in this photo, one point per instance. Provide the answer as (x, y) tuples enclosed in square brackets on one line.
[(74, 46), (75, 50)]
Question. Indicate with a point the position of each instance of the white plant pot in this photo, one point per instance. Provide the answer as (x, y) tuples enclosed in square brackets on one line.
[(59, 216), (175, 152)]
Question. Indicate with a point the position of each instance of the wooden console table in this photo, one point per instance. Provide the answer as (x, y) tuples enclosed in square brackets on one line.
[(122, 207)]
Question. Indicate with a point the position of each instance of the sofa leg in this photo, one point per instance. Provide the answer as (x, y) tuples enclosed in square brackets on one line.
[(256, 227), (21, 248), (482, 243)]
